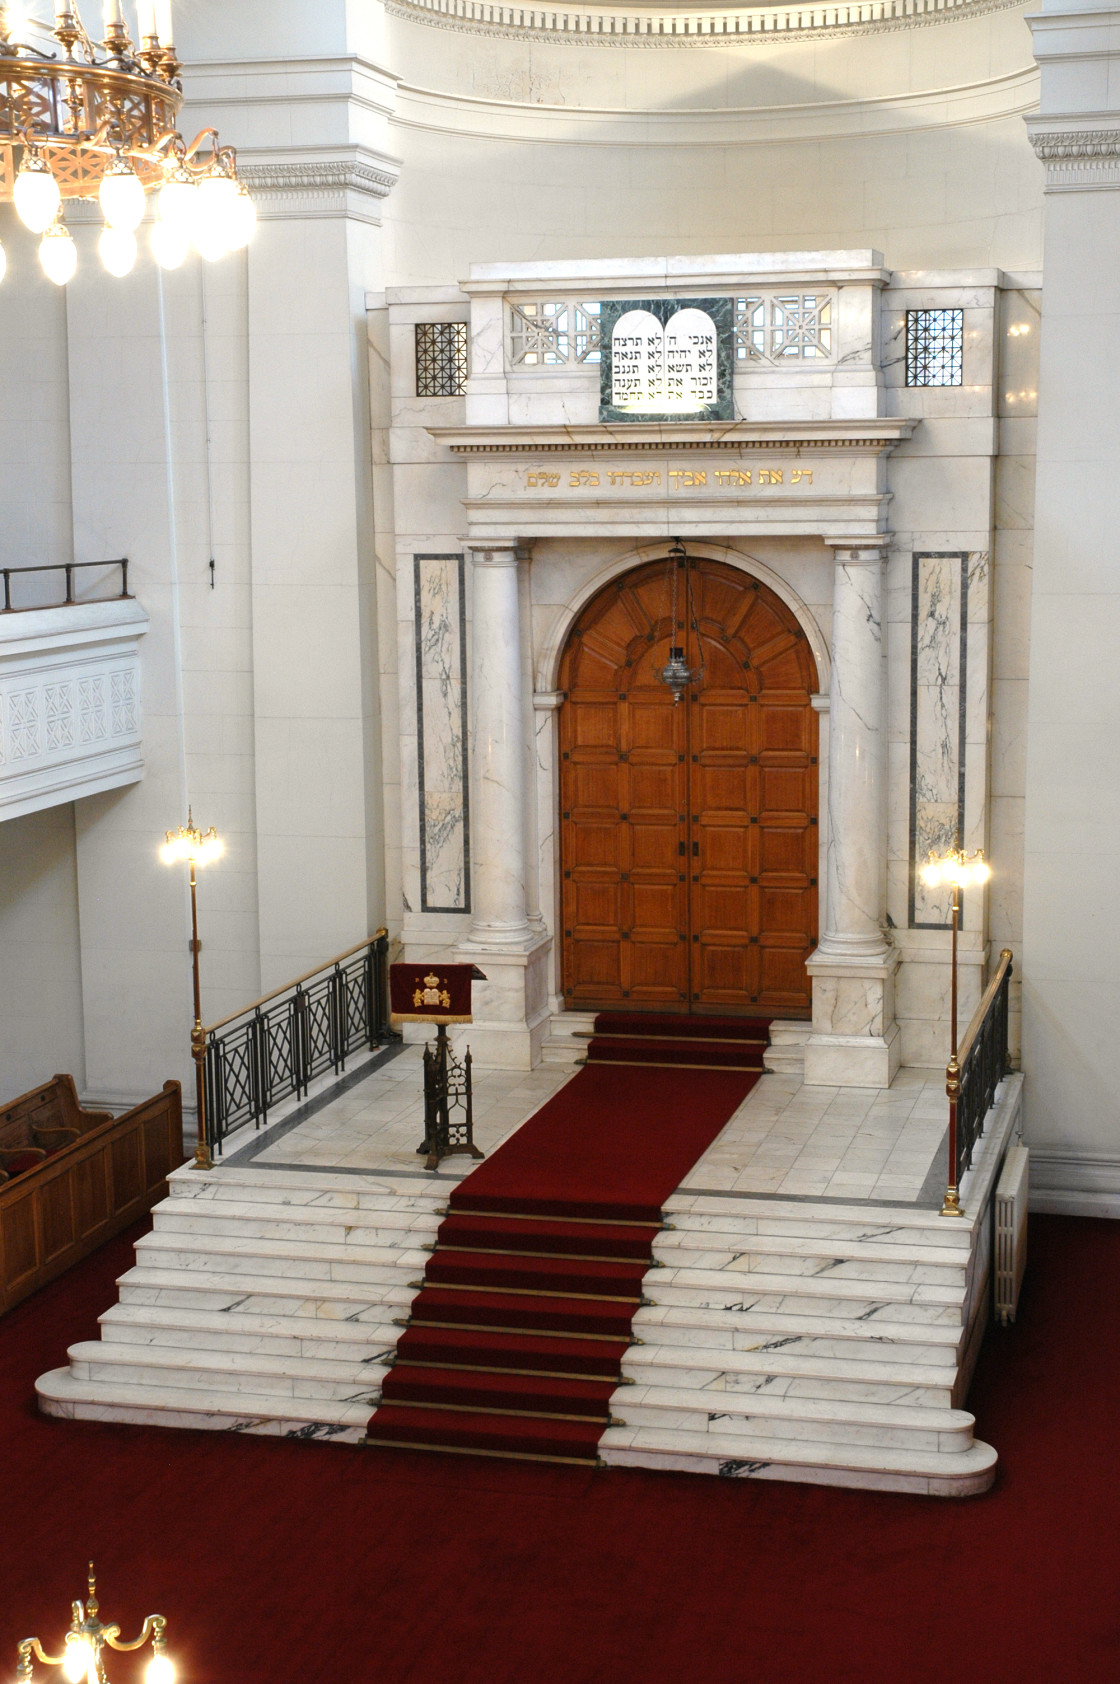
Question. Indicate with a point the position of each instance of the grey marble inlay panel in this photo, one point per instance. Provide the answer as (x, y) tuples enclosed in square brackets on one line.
[(938, 667), (441, 733), (676, 346)]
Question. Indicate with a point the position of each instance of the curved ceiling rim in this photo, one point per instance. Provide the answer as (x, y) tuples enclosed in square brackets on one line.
[(776, 125), (766, 24)]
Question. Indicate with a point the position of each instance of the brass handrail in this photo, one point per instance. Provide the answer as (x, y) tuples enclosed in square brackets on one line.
[(295, 982), (982, 1009)]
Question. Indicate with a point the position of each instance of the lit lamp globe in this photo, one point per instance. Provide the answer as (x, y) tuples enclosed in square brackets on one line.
[(159, 1671), (121, 196), (243, 220), (217, 214), (58, 254), (178, 202), (36, 194), (171, 241), (117, 247), (77, 1660)]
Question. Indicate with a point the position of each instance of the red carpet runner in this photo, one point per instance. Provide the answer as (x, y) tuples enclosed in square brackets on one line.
[(515, 1341)]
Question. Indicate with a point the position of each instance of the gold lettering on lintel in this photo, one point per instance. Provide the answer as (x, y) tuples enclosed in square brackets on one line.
[(649, 479)]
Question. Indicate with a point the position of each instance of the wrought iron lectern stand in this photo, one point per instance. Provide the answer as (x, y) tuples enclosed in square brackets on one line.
[(447, 1090)]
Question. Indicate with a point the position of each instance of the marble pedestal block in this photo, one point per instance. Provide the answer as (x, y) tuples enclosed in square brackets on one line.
[(855, 1042), (511, 1015)]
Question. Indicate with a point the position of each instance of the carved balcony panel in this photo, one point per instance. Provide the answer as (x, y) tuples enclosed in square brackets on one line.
[(69, 703)]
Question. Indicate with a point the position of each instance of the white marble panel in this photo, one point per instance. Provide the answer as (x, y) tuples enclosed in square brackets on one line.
[(440, 633)]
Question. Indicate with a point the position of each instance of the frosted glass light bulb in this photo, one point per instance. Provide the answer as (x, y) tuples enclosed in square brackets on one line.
[(242, 220), (217, 202), (77, 1660), (122, 196), (170, 244), (118, 250), (58, 254), (160, 1670), (178, 203), (931, 875), (36, 195)]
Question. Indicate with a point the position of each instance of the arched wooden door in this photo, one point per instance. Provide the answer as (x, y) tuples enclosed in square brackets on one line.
[(689, 839)]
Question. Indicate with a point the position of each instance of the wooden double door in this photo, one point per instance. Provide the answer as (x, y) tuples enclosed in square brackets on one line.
[(689, 839)]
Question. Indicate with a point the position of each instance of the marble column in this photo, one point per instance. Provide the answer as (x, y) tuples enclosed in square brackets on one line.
[(855, 1040), (511, 1015)]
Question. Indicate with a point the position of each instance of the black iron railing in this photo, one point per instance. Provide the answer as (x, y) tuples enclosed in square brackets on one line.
[(277, 1046), (984, 1062), (69, 568)]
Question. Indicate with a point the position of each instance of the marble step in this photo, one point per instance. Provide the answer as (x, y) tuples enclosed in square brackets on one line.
[(264, 1294), (309, 1225), (951, 1278), (811, 1248), (683, 1410), (929, 1347), (806, 1218), (357, 1342), (280, 1257), (194, 1369), (745, 1456), (806, 1295), (60, 1394), (300, 1188), (790, 1373)]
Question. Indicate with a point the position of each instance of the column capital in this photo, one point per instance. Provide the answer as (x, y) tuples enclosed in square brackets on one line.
[(494, 555), (863, 552), (1077, 152)]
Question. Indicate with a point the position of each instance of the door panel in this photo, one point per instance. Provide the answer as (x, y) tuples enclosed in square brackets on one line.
[(688, 833)]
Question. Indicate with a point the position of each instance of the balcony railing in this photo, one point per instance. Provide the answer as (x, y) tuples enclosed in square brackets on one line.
[(275, 1048), (984, 1062), (69, 568)]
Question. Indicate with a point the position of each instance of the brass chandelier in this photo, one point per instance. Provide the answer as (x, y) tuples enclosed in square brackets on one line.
[(96, 120)]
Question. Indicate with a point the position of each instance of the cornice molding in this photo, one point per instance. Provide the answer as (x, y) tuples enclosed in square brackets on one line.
[(871, 436), (702, 29), (1077, 160), (286, 187)]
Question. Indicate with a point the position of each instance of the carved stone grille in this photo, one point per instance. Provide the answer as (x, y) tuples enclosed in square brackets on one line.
[(441, 359), (776, 327), (553, 332), (934, 347)]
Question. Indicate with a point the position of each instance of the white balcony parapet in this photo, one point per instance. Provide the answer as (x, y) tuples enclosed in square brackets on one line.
[(69, 703)]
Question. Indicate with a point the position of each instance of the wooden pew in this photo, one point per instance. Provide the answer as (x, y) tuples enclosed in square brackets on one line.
[(79, 1177)]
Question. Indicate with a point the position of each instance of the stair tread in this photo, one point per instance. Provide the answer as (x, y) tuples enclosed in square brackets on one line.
[(546, 1235), (449, 1425), (707, 1401), (496, 1391), (781, 1361), (60, 1383), (252, 1245), (675, 1275), (263, 1286), (359, 1333), (227, 1362), (943, 1334), (797, 1452), (501, 1309)]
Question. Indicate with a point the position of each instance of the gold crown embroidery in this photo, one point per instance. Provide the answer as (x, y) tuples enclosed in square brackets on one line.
[(431, 994)]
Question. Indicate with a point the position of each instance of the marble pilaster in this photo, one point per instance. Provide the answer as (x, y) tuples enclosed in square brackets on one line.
[(855, 1040), (511, 1007)]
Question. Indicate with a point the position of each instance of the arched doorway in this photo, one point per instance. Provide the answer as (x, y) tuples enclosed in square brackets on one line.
[(688, 835)]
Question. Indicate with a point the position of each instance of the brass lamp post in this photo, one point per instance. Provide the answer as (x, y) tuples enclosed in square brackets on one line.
[(960, 871), (81, 1658), (190, 844)]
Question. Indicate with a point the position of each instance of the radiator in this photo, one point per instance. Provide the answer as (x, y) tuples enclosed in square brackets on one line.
[(1011, 1232)]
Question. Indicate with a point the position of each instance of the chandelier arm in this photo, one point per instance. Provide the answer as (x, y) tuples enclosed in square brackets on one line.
[(33, 1646), (189, 151), (112, 1634)]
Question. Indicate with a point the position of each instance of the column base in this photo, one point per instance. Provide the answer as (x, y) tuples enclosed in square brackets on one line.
[(855, 1042), (511, 1016), (853, 1061)]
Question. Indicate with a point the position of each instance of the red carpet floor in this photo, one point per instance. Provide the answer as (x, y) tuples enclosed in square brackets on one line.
[(515, 1341), (294, 1563)]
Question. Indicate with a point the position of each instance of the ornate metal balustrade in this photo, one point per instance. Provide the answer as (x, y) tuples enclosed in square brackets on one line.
[(69, 568), (774, 326), (275, 1048), (983, 1061)]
